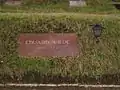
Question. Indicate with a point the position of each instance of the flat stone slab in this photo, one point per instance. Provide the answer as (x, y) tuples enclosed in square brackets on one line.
[(54, 44), (77, 3)]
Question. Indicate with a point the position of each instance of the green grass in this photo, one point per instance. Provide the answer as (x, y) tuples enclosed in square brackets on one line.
[(59, 8), (94, 61)]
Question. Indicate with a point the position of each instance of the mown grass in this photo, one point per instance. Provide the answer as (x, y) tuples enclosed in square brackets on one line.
[(94, 61), (59, 8)]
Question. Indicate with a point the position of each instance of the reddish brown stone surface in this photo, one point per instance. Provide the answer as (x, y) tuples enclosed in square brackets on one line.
[(50, 44)]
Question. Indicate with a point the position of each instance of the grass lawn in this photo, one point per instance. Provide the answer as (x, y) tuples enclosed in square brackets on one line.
[(96, 64), (60, 8)]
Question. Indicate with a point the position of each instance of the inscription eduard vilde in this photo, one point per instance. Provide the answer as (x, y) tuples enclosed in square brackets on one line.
[(47, 42), (56, 44)]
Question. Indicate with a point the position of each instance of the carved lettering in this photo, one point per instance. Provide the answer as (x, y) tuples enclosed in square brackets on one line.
[(59, 42), (48, 45)]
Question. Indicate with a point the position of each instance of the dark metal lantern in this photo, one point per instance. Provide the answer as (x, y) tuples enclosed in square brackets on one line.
[(97, 30)]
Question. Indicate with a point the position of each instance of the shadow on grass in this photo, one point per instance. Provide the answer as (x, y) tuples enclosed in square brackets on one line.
[(35, 77)]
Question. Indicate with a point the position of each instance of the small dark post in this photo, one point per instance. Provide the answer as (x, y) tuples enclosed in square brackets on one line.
[(2, 2), (97, 30), (116, 3)]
